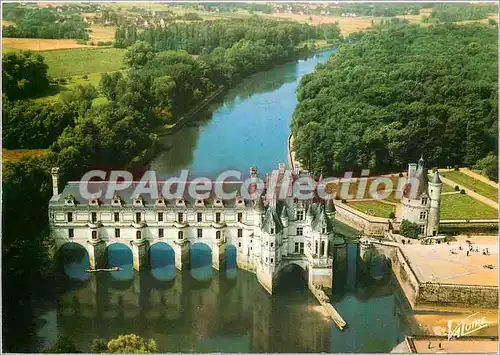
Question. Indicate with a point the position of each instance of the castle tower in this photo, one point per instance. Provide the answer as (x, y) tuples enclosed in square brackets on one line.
[(259, 210), (284, 222), (415, 200), (435, 201)]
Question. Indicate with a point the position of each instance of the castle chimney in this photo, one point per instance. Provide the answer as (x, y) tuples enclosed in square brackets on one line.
[(55, 179), (253, 171)]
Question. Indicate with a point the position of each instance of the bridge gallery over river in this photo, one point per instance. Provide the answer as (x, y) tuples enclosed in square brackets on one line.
[(267, 234)]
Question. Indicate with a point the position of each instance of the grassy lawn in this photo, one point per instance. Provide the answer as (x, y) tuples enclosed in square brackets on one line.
[(373, 208), (470, 183), (465, 207), (71, 62)]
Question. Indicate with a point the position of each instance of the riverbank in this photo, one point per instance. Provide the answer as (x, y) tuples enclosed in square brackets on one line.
[(183, 120)]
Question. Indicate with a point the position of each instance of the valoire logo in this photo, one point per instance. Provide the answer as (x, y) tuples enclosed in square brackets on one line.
[(467, 326)]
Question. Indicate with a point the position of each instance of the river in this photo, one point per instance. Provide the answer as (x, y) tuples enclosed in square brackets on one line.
[(202, 310)]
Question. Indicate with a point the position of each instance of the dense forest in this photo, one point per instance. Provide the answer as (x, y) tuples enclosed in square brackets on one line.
[(461, 12), (201, 37), (399, 91), (35, 22)]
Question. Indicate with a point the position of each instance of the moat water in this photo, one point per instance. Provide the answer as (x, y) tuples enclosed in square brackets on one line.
[(203, 310)]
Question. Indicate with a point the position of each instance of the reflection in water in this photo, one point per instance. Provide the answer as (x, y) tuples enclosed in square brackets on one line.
[(250, 127), (74, 260), (162, 261), (201, 262), (230, 262), (120, 255)]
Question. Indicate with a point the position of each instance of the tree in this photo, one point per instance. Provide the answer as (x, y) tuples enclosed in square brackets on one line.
[(24, 74), (82, 94), (110, 84), (99, 346), (63, 345), (409, 229), (131, 344), (138, 54), (489, 166)]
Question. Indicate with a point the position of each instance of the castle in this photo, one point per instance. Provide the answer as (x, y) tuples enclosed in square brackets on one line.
[(268, 234), (421, 199)]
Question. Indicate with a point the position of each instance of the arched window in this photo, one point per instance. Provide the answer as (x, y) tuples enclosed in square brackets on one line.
[(181, 235), (217, 235), (94, 234), (138, 235), (323, 247)]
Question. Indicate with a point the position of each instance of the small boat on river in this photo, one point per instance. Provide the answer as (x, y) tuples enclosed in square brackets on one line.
[(116, 268)]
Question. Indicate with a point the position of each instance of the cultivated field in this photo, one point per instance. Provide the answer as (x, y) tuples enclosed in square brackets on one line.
[(13, 155), (102, 33), (37, 44), (66, 63)]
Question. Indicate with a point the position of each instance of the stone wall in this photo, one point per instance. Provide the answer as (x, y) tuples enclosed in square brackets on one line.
[(374, 226), (458, 295), (421, 294)]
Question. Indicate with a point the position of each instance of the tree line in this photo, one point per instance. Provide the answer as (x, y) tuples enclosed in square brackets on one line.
[(203, 37), (396, 92), (35, 22)]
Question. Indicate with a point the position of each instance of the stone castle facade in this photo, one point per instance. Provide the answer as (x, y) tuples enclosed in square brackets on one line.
[(268, 233)]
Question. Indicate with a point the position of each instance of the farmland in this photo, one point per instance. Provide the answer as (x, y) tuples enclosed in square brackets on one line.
[(72, 62), (37, 44)]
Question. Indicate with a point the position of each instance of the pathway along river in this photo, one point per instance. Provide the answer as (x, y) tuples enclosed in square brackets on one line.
[(201, 310)]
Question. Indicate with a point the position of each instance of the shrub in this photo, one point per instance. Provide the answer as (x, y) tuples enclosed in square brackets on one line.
[(462, 192), (491, 22), (392, 215), (85, 77), (457, 188), (409, 229), (456, 168), (400, 174)]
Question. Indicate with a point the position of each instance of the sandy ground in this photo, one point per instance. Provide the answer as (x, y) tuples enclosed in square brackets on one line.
[(36, 44), (435, 263), (437, 324)]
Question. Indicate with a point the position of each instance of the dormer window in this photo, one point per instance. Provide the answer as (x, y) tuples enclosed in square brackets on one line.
[(199, 203), (138, 201), (218, 203), (424, 200), (116, 201), (295, 200), (93, 202), (240, 202), (160, 201), (180, 202), (69, 200)]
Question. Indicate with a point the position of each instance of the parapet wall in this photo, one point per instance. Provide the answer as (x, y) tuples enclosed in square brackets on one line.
[(421, 294), (458, 295), (372, 226)]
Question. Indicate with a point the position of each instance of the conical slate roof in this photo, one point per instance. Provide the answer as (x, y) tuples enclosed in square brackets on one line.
[(284, 213), (259, 205)]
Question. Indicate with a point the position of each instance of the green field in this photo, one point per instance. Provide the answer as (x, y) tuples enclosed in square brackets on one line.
[(80, 61), (470, 183), (373, 208), (460, 206)]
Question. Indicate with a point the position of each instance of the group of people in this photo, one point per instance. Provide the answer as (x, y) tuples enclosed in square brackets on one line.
[(406, 242), (470, 250)]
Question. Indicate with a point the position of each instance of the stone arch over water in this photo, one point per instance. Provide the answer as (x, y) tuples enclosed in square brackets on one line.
[(200, 256), (72, 259), (162, 261), (120, 254), (292, 275)]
